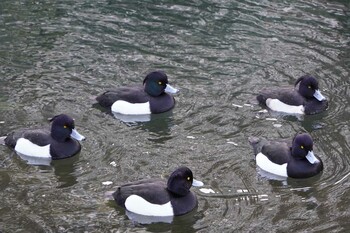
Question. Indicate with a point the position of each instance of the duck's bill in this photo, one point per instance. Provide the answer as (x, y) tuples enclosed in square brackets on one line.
[(312, 158), (197, 183), (170, 89), (319, 96), (77, 135)]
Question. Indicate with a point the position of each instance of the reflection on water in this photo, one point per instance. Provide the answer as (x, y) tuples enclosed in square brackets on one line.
[(4, 179), (65, 171), (148, 219), (34, 160), (132, 118), (182, 223), (56, 57), (160, 124)]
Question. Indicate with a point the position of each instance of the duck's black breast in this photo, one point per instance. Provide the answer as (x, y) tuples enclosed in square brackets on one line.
[(288, 96), (66, 149), (314, 106), (161, 103), (183, 205), (277, 152), (132, 94), (301, 168), (152, 190), (40, 137)]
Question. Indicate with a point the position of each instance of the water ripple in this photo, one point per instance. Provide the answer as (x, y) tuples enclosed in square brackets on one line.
[(56, 57)]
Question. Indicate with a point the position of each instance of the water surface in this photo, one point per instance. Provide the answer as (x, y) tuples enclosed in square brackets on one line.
[(56, 56)]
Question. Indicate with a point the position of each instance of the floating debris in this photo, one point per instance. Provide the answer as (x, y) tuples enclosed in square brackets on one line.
[(206, 191), (190, 137), (242, 191), (233, 143), (263, 197), (271, 119), (277, 125), (114, 164), (238, 106), (304, 189), (107, 182)]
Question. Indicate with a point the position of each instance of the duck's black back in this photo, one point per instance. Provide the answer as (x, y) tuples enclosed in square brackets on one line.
[(132, 94), (277, 152), (40, 137), (152, 190), (286, 95)]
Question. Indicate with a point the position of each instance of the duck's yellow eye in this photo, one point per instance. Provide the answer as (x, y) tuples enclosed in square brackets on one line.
[(65, 126), (160, 83), (309, 87), (188, 178), (302, 147)]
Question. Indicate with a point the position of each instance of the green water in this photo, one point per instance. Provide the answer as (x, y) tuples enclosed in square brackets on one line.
[(56, 56)]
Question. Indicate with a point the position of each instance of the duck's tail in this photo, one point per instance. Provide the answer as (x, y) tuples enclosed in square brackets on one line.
[(257, 143), (261, 99)]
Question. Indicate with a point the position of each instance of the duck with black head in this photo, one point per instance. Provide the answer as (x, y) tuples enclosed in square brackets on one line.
[(157, 197), (58, 143), (287, 158), (304, 98), (151, 97)]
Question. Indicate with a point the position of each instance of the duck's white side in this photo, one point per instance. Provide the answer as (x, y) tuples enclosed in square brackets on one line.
[(265, 164), (126, 108), (138, 205), (26, 147), (279, 106)]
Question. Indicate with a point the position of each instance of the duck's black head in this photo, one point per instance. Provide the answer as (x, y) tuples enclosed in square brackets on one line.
[(302, 145), (180, 181), (62, 128), (155, 83), (308, 88)]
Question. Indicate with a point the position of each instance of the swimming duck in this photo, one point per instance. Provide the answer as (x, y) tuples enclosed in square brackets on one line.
[(293, 158), (57, 143), (151, 97), (307, 99), (156, 197)]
